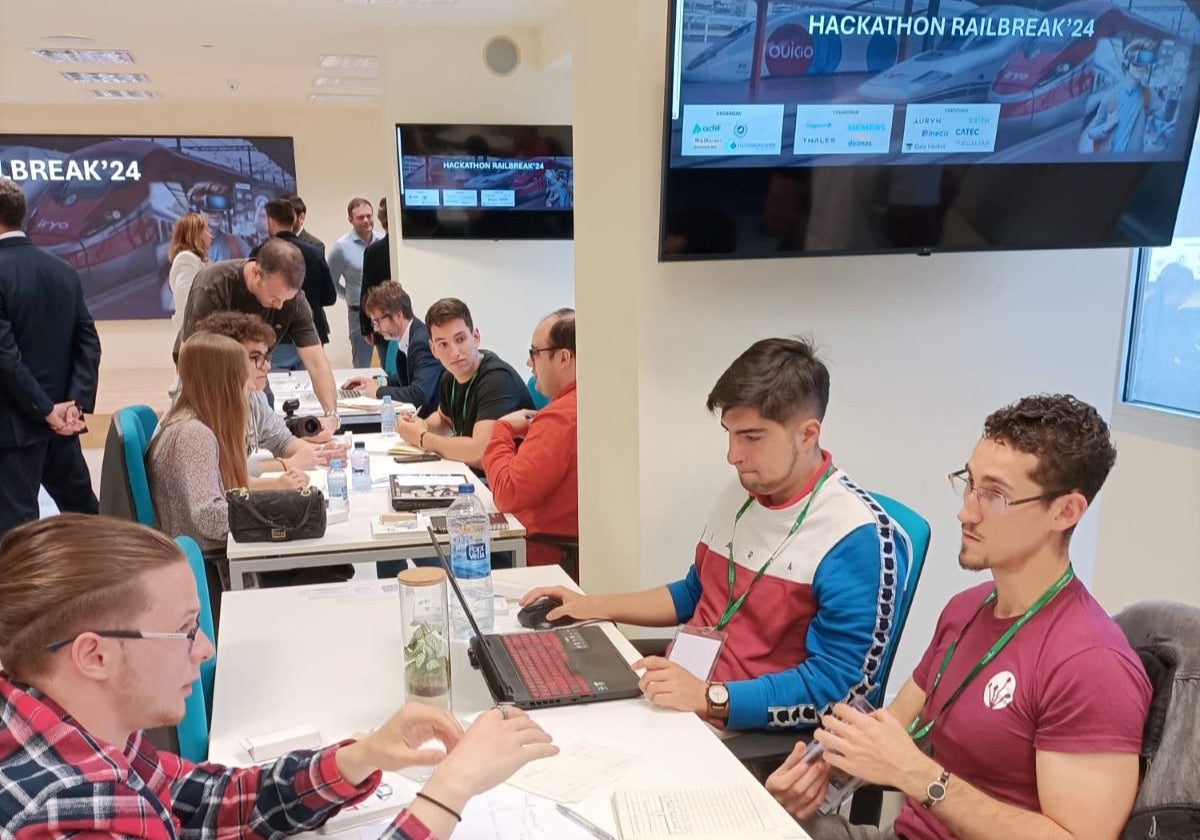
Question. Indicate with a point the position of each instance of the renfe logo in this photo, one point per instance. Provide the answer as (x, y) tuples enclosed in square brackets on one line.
[(789, 51)]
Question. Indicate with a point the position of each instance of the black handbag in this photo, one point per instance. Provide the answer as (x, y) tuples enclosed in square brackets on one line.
[(276, 515)]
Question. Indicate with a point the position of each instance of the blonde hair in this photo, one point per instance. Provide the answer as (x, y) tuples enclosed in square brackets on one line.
[(213, 371), (70, 573), (188, 235)]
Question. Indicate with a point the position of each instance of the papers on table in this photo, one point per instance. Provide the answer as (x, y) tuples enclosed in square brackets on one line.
[(360, 403), (691, 813), (579, 770)]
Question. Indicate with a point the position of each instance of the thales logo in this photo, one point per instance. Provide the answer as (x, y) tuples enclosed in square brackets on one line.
[(706, 129)]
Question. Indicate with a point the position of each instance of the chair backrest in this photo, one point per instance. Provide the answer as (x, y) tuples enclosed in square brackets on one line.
[(918, 534), (132, 428), (192, 731), (540, 400), (391, 356)]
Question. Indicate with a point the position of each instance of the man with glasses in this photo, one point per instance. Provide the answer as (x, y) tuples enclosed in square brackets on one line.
[(100, 637), (539, 482), (477, 389), (414, 374), (1024, 717)]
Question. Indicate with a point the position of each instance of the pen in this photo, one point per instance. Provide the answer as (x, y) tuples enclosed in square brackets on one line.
[(584, 823)]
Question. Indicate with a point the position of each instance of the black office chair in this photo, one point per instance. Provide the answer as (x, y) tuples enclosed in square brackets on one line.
[(568, 546)]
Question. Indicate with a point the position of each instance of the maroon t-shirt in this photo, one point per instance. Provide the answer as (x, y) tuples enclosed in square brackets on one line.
[(1066, 682)]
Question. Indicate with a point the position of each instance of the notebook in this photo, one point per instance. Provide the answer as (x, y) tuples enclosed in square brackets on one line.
[(546, 667), (690, 814)]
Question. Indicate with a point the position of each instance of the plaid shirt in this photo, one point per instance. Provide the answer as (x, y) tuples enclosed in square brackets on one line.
[(57, 780)]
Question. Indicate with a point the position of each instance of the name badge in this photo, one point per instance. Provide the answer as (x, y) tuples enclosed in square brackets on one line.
[(697, 649)]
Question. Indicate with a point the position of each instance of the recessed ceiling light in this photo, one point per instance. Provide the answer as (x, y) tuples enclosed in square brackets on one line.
[(108, 78), (341, 97), (122, 93), (345, 81), (350, 62), (85, 56)]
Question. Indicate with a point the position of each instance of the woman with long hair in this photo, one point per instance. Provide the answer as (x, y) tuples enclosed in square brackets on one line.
[(190, 241), (199, 449)]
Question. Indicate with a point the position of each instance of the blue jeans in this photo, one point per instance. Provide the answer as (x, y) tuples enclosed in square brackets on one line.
[(285, 357), (360, 345)]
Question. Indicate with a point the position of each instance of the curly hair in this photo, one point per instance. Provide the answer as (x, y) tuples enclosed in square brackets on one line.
[(1068, 437)]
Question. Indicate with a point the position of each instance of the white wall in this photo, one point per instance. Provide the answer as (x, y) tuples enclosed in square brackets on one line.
[(920, 349)]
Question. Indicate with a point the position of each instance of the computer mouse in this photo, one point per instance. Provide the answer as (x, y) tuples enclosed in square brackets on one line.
[(534, 615)]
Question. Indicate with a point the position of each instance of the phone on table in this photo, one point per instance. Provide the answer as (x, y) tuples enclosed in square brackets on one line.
[(416, 457)]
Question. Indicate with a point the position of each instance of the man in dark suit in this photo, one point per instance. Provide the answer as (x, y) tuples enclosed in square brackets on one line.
[(377, 267), (49, 365), (299, 229), (416, 373), (318, 285)]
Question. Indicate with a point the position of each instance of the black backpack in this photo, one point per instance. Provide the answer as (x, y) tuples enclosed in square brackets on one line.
[(1166, 636)]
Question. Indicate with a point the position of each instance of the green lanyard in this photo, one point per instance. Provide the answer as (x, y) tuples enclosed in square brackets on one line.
[(993, 652), (466, 396), (732, 606)]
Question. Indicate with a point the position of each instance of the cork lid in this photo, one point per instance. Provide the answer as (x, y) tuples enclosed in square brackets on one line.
[(421, 576)]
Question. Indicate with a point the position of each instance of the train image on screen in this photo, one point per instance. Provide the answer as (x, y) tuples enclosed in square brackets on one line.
[(115, 229)]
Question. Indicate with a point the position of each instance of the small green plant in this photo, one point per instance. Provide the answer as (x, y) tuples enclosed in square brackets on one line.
[(426, 665)]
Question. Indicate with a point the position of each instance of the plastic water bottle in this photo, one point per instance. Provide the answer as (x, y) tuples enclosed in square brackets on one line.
[(360, 468), (339, 495), (471, 560), (387, 418)]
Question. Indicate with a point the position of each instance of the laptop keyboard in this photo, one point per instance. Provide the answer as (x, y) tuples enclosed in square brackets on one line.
[(542, 663), (348, 393)]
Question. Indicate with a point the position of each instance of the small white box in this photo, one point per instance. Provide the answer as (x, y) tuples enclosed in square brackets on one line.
[(272, 745)]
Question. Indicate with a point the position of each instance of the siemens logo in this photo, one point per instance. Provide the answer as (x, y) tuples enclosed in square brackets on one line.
[(866, 127)]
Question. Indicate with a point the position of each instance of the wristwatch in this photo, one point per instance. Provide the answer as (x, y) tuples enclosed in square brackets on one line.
[(936, 791), (716, 698), (337, 421)]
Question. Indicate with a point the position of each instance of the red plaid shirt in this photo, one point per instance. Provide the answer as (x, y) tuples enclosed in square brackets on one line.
[(57, 780)]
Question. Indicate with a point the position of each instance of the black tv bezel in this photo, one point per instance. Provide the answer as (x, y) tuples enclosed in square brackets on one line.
[(671, 10), (531, 216)]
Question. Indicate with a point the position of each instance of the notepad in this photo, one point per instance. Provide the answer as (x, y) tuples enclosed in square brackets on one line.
[(579, 770), (690, 814), (360, 403)]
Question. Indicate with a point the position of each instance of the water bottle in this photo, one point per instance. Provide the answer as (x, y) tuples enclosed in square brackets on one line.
[(387, 418), (339, 495), (471, 560), (360, 468)]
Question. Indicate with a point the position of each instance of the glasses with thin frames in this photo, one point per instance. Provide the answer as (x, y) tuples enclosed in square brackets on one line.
[(992, 501), (190, 636), (375, 322), (262, 361), (533, 351)]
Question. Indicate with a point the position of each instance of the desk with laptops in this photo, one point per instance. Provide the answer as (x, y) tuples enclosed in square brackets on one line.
[(354, 410), (353, 540), (330, 657)]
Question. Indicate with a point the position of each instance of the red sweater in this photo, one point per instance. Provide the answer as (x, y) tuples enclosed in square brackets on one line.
[(539, 483)]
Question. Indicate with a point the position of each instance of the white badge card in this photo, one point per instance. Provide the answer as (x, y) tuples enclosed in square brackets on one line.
[(697, 649)]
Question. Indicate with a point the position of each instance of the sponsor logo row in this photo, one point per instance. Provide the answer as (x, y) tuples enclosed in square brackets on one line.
[(852, 129), (459, 198)]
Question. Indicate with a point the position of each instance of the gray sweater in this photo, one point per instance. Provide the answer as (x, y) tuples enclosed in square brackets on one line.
[(185, 483)]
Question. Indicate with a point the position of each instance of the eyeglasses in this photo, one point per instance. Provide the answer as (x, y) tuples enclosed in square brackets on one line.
[(992, 501), (130, 634), (262, 361), (533, 351), (375, 322)]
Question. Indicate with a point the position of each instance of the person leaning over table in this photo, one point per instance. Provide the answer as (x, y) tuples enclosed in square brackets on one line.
[(798, 567), (1024, 717), (477, 389), (100, 638)]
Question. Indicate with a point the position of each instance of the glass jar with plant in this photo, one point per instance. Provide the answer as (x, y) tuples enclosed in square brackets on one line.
[(425, 632)]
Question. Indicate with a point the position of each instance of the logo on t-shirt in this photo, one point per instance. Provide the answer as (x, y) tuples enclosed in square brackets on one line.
[(1000, 690)]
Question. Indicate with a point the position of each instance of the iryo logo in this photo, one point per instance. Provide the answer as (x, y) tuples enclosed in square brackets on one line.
[(789, 51)]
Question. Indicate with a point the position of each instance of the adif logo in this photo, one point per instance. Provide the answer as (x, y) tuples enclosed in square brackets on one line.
[(999, 691)]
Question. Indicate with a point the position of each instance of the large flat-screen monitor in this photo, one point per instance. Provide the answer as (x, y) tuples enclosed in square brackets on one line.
[(828, 127), (486, 181), (107, 205)]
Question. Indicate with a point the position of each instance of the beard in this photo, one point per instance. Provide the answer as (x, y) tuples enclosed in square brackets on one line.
[(972, 559), (769, 487)]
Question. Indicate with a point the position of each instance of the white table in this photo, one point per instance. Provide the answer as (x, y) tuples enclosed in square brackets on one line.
[(297, 384), (351, 541), (330, 656)]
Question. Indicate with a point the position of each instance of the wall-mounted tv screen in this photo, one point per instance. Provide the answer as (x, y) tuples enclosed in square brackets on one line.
[(106, 205), (799, 127), (486, 181)]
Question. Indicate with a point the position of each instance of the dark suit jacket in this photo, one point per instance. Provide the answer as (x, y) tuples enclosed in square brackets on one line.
[(318, 282), (419, 373), (377, 267), (49, 349), (308, 239)]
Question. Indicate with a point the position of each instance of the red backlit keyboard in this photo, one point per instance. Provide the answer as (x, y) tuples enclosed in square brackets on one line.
[(542, 664)]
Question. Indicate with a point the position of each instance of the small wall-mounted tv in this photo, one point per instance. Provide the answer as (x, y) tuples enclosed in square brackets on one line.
[(486, 181), (809, 127)]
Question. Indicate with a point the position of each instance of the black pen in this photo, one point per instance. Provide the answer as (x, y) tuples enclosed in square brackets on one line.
[(584, 823)]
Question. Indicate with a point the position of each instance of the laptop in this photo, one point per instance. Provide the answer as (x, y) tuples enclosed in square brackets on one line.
[(543, 668), (349, 393)]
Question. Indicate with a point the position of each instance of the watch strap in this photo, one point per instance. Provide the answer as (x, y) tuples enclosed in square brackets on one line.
[(936, 791), (717, 710)]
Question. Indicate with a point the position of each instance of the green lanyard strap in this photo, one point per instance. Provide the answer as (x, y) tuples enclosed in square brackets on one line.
[(732, 606), (992, 653), (466, 396)]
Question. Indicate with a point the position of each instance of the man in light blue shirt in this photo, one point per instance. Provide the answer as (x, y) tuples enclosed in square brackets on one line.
[(345, 264)]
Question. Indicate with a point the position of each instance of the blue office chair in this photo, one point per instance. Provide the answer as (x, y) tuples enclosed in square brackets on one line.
[(540, 400), (124, 487), (391, 358), (192, 731)]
